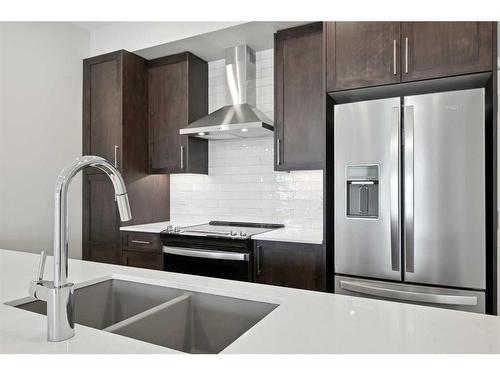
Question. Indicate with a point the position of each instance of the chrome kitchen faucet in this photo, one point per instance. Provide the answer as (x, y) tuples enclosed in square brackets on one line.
[(59, 293)]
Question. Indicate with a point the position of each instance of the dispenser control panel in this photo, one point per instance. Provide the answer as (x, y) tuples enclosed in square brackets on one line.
[(362, 200)]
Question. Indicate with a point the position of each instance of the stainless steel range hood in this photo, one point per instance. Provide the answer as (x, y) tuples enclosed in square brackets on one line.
[(240, 118)]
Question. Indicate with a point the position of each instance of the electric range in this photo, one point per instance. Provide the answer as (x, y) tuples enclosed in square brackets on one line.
[(220, 249)]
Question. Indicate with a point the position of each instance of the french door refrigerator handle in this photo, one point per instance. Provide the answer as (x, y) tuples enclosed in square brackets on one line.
[(409, 118), (442, 299), (395, 188)]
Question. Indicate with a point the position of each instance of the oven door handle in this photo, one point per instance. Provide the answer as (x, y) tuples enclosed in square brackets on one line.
[(203, 253)]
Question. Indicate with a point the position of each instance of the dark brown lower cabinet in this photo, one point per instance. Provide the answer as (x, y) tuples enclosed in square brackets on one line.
[(101, 240), (142, 260), (290, 264), (142, 250)]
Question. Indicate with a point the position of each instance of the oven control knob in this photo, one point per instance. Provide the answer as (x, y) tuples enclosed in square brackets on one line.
[(177, 229), (242, 234), (170, 229), (234, 233)]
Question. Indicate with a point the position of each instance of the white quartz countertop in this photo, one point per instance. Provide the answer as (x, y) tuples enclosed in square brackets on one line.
[(312, 236), (156, 227), (305, 322)]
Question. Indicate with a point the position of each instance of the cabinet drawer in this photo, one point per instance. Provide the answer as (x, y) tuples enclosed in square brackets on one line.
[(141, 242), (139, 259)]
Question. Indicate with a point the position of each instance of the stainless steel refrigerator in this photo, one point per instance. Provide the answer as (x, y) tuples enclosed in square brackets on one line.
[(409, 221)]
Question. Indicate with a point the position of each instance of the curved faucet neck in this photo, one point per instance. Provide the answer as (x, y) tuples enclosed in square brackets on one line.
[(61, 209)]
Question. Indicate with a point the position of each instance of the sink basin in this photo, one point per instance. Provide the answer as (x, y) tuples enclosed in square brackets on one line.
[(195, 322), (188, 321), (105, 303)]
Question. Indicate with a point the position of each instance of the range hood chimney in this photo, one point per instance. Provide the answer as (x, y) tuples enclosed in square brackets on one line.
[(240, 118)]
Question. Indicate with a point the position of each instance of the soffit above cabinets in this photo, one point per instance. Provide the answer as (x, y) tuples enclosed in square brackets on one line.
[(211, 46)]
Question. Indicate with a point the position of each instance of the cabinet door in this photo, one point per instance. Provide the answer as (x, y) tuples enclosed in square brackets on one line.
[(168, 112), (178, 95), (101, 223), (439, 49), (362, 54), (299, 102), (150, 261), (289, 264), (102, 115)]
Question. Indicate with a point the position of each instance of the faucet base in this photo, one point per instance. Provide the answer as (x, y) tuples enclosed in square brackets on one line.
[(60, 313)]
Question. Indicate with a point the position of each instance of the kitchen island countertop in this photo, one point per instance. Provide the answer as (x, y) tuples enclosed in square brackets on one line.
[(305, 321)]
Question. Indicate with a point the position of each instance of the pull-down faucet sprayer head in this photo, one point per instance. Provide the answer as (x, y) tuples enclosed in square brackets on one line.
[(123, 207)]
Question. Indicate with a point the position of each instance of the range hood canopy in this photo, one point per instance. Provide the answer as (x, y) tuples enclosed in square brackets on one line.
[(240, 118)]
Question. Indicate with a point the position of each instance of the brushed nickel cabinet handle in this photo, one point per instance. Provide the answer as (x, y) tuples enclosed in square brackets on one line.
[(182, 157), (141, 242), (406, 55), (394, 57), (117, 148)]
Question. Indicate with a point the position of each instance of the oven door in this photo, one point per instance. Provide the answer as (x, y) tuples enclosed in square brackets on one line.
[(204, 262)]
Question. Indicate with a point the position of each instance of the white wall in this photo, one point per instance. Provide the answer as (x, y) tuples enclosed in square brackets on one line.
[(242, 184), (40, 129), (133, 36)]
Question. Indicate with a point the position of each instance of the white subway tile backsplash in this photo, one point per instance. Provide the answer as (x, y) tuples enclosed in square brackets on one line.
[(242, 184)]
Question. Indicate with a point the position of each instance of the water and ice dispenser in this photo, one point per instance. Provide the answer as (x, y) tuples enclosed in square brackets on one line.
[(362, 182)]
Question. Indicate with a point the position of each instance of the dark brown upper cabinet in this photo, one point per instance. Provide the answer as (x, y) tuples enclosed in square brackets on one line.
[(102, 126), (289, 264), (362, 54), (178, 95), (115, 126), (439, 49), (299, 112)]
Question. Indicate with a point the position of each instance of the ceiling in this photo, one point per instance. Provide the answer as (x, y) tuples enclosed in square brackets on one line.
[(210, 46), (93, 25)]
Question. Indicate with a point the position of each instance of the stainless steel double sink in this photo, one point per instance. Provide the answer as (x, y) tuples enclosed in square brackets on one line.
[(188, 321)]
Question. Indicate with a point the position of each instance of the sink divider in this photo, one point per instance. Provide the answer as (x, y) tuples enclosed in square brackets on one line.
[(118, 326)]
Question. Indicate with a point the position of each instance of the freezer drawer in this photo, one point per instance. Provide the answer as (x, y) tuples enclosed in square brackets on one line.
[(454, 299), (444, 183)]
